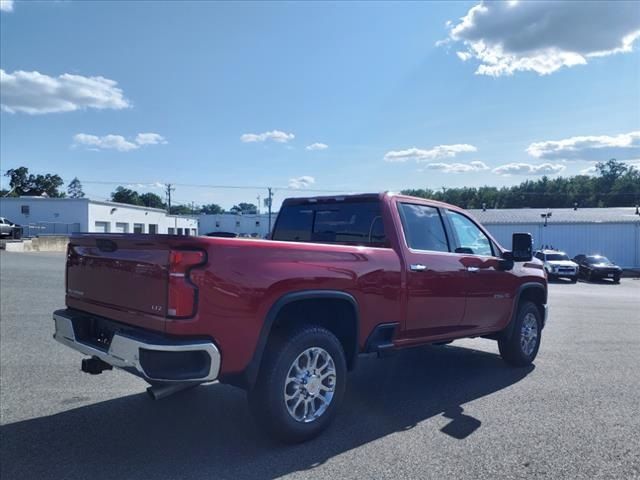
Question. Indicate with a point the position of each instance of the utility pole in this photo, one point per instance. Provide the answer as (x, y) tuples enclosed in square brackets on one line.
[(269, 201), (168, 189)]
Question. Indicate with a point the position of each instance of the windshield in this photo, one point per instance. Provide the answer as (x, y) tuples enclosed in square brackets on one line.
[(554, 257), (595, 260)]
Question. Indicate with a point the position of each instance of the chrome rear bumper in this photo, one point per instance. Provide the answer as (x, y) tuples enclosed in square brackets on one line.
[(125, 351)]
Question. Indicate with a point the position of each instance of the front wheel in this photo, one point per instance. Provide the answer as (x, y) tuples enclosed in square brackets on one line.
[(521, 347), (300, 385)]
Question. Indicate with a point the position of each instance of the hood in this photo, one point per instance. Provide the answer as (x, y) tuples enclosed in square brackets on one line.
[(562, 263)]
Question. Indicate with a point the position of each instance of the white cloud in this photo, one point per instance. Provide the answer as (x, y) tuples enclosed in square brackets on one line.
[(277, 136), (145, 186), (475, 166), (317, 146), (600, 148), (435, 153), (6, 5), (507, 37), (301, 182), (35, 93), (116, 142), (529, 169), (150, 139), (588, 170)]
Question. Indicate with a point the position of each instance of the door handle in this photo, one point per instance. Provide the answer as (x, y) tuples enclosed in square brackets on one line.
[(472, 269), (417, 267)]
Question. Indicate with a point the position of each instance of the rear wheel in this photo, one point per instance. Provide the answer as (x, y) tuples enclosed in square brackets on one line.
[(300, 385), (521, 347)]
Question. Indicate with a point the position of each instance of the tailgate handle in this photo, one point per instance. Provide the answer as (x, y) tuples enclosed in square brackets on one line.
[(106, 245)]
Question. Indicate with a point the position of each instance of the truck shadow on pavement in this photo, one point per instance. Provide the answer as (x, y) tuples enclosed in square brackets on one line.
[(208, 432)]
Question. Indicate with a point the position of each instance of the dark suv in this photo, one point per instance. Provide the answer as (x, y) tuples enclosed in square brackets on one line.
[(597, 267)]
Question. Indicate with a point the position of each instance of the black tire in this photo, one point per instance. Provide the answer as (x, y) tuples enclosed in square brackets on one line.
[(574, 279), (616, 279), (266, 398), (511, 348)]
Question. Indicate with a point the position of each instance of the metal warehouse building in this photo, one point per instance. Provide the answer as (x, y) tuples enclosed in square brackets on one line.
[(250, 225), (46, 216), (612, 232)]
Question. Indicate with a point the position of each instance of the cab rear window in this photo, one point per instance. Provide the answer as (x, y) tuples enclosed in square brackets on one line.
[(349, 223)]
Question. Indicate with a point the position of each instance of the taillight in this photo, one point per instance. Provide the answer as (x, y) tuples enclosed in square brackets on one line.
[(183, 294)]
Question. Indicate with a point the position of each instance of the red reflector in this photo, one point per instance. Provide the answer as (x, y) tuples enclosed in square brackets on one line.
[(182, 293)]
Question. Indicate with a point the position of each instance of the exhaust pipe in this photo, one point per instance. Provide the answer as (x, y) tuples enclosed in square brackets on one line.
[(160, 391)]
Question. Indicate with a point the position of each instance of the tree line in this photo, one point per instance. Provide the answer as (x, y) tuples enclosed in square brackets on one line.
[(615, 184), (22, 183)]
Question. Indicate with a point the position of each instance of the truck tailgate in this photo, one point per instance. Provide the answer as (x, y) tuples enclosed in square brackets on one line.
[(119, 276)]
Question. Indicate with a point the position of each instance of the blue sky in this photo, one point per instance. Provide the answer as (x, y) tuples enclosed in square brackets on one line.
[(381, 85)]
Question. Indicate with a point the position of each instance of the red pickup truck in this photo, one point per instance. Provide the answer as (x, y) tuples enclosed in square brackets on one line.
[(286, 318)]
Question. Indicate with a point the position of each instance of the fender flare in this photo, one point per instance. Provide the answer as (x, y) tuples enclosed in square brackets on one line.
[(250, 373), (507, 332)]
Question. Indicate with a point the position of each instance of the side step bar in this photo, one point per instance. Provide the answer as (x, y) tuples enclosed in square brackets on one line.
[(380, 340)]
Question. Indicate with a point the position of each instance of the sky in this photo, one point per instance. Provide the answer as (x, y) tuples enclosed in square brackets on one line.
[(315, 98)]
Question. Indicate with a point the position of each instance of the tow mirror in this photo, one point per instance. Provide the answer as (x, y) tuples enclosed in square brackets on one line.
[(522, 247)]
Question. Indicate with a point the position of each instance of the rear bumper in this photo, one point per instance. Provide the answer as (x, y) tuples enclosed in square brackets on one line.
[(151, 356)]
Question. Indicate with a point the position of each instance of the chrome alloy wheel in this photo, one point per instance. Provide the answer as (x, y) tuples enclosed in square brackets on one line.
[(529, 334), (310, 385)]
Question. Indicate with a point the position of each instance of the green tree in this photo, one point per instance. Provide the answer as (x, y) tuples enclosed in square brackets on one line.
[(152, 200), (211, 209), (22, 183), (74, 189), (244, 208), (616, 184), (180, 210), (126, 195)]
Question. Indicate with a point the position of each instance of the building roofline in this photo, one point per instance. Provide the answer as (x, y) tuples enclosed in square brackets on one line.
[(98, 202)]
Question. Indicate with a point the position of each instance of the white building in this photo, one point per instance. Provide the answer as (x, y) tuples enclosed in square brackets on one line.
[(45, 216), (248, 225), (612, 232)]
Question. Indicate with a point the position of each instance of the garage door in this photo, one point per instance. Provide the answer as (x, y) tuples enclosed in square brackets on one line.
[(121, 227), (101, 227)]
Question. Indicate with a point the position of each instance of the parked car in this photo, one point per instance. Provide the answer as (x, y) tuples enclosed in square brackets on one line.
[(597, 267), (286, 318), (222, 234), (558, 265), (9, 229)]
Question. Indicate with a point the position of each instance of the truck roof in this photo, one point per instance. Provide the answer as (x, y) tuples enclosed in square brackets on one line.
[(364, 196)]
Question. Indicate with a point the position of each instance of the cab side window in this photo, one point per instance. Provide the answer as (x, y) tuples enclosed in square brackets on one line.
[(470, 239), (423, 227), (540, 256)]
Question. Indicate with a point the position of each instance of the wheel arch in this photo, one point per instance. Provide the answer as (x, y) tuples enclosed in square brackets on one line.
[(535, 292), (284, 313)]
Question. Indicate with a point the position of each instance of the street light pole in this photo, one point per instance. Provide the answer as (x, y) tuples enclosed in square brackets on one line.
[(269, 205)]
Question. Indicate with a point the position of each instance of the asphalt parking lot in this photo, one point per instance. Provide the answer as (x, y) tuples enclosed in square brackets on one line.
[(439, 412)]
